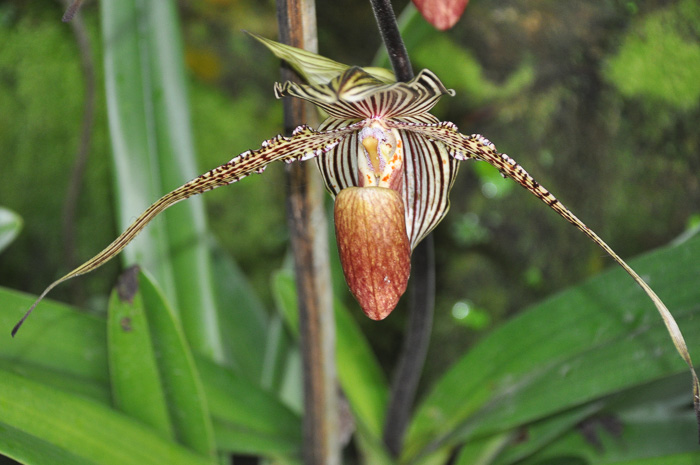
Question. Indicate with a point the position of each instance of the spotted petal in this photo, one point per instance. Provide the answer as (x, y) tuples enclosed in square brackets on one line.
[(477, 147), (355, 94), (304, 144)]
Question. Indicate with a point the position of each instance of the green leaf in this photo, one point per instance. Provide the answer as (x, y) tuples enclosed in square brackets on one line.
[(248, 419), (644, 423), (59, 379), (60, 339), (285, 294), (359, 373), (593, 340), (483, 451), (10, 226), (154, 377), (28, 449), (136, 385), (183, 387), (243, 317), (152, 153), (689, 458), (541, 433), (80, 427), (278, 346)]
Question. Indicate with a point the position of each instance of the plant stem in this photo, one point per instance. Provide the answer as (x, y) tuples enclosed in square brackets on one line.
[(422, 303), (415, 346), (308, 230), (389, 30)]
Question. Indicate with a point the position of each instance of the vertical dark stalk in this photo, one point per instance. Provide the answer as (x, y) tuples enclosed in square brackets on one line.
[(389, 30), (308, 228), (422, 303)]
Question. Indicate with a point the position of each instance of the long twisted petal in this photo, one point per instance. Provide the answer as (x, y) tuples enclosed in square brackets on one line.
[(304, 144), (477, 147)]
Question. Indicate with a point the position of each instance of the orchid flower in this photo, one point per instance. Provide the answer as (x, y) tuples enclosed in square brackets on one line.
[(390, 166)]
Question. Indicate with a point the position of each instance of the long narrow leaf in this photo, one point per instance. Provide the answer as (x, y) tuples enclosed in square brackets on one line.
[(248, 419), (152, 152), (243, 324), (136, 385), (359, 373), (183, 387), (59, 379), (622, 432), (63, 339), (84, 428), (593, 340), (28, 449)]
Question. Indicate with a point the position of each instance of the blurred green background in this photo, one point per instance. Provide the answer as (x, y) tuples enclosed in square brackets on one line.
[(598, 100)]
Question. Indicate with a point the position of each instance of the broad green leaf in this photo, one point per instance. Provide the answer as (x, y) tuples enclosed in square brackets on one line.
[(84, 428), (60, 339), (231, 439), (643, 441), (10, 226), (640, 424), (242, 316), (282, 346), (278, 343), (136, 385), (483, 451), (590, 341), (285, 294), (360, 375), (247, 418), (689, 458), (543, 432), (59, 379), (372, 447), (152, 153), (28, 449), (185, 394), (314, 68)]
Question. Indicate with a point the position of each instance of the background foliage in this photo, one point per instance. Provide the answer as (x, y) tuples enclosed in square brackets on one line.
[(598, 100)]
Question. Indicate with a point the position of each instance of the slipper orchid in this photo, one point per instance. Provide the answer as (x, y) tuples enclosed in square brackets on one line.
[(390, 166)]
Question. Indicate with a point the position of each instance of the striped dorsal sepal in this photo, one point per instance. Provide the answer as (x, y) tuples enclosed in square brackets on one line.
[(356, 94)]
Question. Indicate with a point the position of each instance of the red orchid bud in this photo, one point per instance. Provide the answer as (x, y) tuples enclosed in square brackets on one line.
[(374, 249), (443, 14)]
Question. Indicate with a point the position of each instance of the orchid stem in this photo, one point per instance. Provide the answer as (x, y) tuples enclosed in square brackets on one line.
[(389, 30), (422, 302), (308, 226)]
